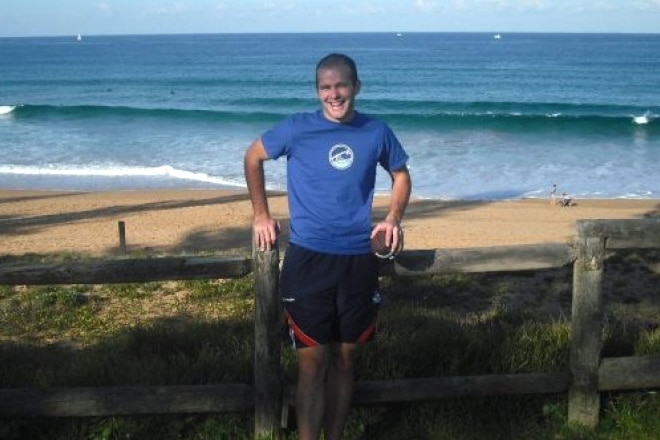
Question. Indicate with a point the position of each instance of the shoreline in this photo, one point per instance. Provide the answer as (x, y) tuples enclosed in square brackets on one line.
[(175, 221)]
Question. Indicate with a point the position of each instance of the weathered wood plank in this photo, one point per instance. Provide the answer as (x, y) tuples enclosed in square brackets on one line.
[(623, 234), (267, 343), (126, 270), (115, 401), (437, 388), (629, 373), (482, 259), (412, 390), (586, 329)]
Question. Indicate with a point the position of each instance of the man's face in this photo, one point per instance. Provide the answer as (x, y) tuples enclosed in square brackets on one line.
[(337, 93)]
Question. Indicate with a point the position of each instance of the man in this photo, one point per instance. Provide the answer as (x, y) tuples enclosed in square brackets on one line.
[(329, 281)]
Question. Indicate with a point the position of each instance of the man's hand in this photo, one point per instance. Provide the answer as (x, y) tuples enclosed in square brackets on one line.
[(393, 235), (265, 231)]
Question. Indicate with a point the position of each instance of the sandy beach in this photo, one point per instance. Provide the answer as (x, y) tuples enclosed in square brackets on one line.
[(182, 221)]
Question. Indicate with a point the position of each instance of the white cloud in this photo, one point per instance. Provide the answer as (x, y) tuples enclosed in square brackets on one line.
[(458, 5), (498, 4), (480, 6), (533, 5), (105, 8), (604, 6), (271, 5), (649, 5), (426, 5), (365, 9), (173, 9)]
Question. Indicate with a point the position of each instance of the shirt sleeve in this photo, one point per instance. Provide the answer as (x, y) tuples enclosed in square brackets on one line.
[(277, 140), (393, 156)]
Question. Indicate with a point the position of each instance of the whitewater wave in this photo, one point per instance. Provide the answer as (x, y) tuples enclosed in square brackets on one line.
[(160, 171), (644, 119), (6, 109)]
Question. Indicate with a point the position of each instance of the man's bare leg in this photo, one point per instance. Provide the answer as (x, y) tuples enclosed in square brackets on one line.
[(339, 388), (310, 391)]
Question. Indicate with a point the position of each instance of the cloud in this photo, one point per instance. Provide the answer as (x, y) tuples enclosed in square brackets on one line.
[(169, 10), (533, 5), (649, 5), (278, 5), (513, 5), (426, 5), (366, 9), (482, 5), (605, 6), (498, 4), (104, 8)]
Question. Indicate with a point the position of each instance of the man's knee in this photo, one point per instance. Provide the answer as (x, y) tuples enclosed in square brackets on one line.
[(344, 357), (312, 363)]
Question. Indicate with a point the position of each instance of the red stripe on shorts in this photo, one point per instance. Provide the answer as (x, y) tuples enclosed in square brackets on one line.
[(367, 334), (299, 334)]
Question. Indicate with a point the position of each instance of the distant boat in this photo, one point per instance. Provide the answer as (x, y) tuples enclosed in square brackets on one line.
[(78, 37), (497, 36), (399, 34)]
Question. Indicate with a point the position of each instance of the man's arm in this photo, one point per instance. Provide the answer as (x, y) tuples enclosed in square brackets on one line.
[(264, 228), (401, 188)]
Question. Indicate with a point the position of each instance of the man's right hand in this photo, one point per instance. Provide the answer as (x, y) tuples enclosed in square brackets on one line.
[(265, 232)]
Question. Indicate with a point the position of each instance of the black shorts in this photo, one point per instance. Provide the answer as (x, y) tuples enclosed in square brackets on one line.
[(329, 297)]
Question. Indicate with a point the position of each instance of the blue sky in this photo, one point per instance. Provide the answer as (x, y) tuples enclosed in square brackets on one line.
[(95, 17)]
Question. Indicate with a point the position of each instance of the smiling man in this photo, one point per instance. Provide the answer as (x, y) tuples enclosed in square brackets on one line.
[(329, 282)]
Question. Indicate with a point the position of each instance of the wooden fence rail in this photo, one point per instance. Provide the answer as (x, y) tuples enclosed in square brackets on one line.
[(587, 375), (126, 270), (116, 401)]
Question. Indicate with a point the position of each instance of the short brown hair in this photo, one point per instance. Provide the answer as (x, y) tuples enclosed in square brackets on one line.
[(337, 60)]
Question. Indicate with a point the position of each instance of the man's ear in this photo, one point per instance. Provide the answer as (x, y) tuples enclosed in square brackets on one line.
[(358, 86)]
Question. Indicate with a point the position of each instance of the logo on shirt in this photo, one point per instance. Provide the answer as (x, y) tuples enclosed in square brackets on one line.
[(341, 156)]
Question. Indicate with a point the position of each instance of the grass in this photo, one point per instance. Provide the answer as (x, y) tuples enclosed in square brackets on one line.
[(200, 332)]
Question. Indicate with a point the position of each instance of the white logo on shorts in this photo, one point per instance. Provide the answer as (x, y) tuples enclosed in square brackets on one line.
[(341, 156), (376, 298)]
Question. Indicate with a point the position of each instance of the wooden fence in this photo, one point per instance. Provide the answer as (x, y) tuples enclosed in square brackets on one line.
[(587, 375)]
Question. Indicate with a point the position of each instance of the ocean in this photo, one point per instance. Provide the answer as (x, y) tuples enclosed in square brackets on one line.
[(481, 117)]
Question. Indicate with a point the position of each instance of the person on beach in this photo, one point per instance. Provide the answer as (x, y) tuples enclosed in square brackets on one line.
[(553, 194), (329, 279)]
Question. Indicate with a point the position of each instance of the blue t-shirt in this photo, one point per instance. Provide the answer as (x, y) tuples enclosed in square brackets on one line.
[(331, 174)]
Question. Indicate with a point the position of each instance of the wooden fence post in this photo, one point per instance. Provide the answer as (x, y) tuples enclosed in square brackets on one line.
[(121, 227), (586, 334), (267, 344)]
